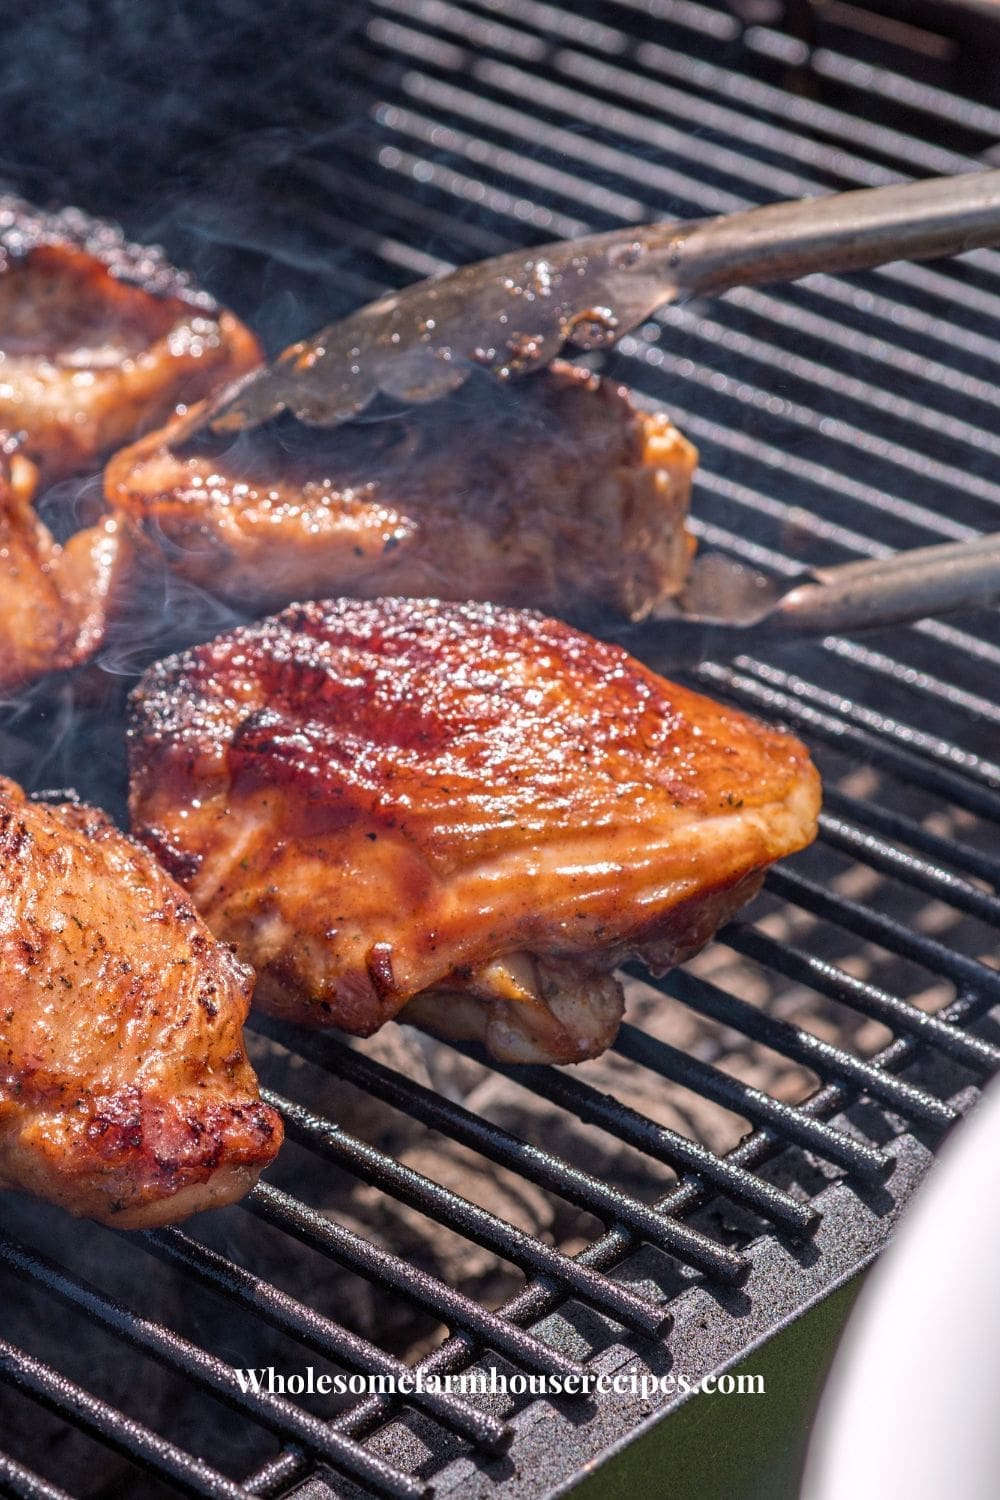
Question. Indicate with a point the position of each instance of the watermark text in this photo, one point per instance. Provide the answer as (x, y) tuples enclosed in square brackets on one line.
[(492, 1382)]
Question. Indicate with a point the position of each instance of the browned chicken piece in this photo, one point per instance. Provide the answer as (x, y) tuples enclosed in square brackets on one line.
[(554, 492), (458, 815), (53, 599), (125, 1090), (100, 340)]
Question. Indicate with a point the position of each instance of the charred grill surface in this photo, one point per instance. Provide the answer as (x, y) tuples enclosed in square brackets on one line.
[(125, 1090), (555, 492), (479, 807), (100, 339)]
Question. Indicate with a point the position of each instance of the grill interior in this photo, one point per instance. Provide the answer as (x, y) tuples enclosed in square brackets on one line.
[(767, 1109)]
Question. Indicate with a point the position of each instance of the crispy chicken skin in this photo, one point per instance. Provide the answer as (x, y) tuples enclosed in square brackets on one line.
[(100, 340), (460, 815), (53, 599), (125, 1091), (553, 492)]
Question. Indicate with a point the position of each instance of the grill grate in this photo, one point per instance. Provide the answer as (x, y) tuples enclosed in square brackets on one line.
[(837, 419)]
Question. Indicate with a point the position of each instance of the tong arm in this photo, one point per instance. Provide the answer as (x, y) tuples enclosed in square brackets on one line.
[(514, 313)]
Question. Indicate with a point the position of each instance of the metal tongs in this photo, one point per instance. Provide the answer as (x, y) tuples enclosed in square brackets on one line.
[(727, 607), (513, 314)]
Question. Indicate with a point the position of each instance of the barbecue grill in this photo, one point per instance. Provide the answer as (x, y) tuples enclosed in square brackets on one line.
[(837, 419)]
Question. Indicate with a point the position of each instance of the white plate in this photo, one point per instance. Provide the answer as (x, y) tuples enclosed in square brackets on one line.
[(912, 1407)]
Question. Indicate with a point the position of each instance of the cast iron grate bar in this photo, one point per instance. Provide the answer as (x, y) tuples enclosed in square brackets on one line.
[(539, 1298), (816, 162), (382, 1268), (505, 164), (787, 315), (20, 1483), (884, 82), (871, 850), (958, 775), (784, 142), (192, 1476), (802, 185), (826, 159), (880, 140), (540, 1167), (316, 1331), (782, 316), (937, 957), (687, 1157), (963, 776), (880, 665), (789, 1121), (903, 830), (883, 747), (293, 1425), (735, 167), (812, 1052), (504, 1239), (736, 449), (707, 77), (673, 373), (965, 1048)]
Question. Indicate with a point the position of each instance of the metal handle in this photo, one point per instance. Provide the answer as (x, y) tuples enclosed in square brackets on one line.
[(514, 314), (908, 586), (844, 232)]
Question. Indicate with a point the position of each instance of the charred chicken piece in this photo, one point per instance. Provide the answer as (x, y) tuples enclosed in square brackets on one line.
[(125, 1090), (554, 492), (458, 815), (53, 599), (100, 340)]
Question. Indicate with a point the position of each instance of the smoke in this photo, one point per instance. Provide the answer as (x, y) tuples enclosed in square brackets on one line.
[(159, 614), (155, 88), (181, 119), (175, 116)]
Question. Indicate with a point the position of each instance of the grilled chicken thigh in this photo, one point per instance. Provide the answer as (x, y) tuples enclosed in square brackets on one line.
[(554, 492), (53, 599), (100, 340), (460, 815), (125, 1090)]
